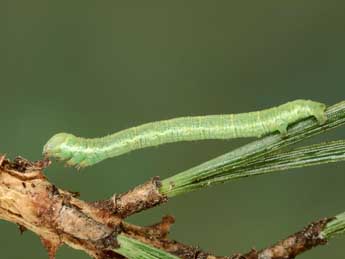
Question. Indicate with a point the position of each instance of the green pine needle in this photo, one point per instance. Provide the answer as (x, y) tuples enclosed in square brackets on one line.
[(264, 156), (134, 249)]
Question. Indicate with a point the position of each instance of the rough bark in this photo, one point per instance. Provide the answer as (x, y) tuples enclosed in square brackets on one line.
[(58, 217)]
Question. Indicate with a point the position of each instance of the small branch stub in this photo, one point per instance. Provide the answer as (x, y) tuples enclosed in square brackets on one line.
[(140, 198), (292, 246)]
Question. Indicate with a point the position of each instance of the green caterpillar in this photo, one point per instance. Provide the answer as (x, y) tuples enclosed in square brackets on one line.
[(82, 152)]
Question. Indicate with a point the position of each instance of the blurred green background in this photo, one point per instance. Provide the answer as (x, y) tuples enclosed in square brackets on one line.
[(95, 67)]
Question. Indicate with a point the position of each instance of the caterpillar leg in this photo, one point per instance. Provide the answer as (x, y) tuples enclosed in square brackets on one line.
[(320, 117), (76, 159), (282, 127), (91, 160), (83, 164)]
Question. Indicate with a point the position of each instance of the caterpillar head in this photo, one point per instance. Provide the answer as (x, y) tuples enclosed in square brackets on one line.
[(57, 146)]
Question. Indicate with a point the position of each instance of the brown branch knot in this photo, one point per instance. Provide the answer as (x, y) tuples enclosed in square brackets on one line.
[(292, 246)]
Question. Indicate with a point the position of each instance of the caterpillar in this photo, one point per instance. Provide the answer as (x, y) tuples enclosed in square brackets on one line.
[(82, 152)]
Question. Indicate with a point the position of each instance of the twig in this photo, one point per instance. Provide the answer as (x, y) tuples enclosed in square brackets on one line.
[(315, 234), (28, 199), (140, 198)]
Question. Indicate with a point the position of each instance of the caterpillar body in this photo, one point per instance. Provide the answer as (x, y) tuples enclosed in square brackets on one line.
[(82, 152)]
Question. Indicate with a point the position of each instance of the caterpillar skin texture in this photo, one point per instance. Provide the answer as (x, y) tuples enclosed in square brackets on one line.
[(82, 152)]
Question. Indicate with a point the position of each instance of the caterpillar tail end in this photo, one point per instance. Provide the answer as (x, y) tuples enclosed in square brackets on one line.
[(320, 113)]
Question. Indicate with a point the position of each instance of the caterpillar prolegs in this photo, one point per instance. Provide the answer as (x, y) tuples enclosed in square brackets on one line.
[(82, 152)]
